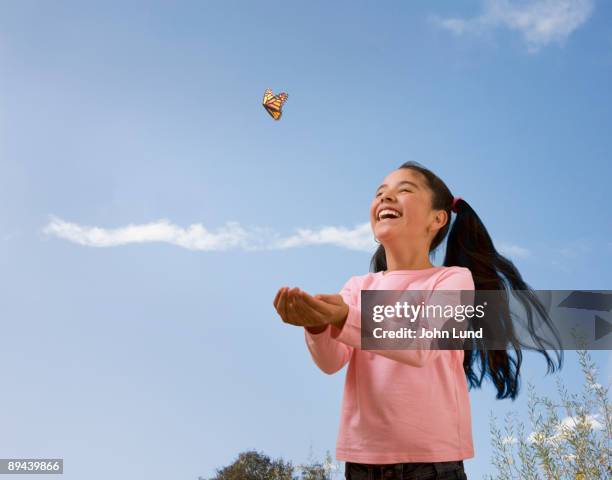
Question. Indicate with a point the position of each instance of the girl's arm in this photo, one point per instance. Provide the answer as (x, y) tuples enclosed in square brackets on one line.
[(350, 333), (329, 354)]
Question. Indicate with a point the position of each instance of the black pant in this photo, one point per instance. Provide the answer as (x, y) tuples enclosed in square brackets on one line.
[(405, 471)]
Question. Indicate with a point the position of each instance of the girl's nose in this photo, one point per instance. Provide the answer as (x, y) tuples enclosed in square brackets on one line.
[(385, 196)]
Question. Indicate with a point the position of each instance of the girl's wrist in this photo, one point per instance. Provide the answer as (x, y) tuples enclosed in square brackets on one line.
[(317, 329), (340, 323)]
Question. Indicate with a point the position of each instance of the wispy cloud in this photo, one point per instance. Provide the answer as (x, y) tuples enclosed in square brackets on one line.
[(196, 237), (228, 237), (510, 250), (565, 258), (576, 249), (540, 22)]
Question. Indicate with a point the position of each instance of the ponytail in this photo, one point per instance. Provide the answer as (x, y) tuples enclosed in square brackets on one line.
[(469, 245)]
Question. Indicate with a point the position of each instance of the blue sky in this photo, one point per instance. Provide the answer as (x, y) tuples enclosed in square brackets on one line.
[(150, 208)]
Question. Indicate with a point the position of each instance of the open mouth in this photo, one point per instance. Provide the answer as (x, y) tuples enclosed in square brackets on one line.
[(388, 214)]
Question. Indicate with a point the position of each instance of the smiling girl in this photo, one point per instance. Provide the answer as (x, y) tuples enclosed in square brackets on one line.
[(406, 413)]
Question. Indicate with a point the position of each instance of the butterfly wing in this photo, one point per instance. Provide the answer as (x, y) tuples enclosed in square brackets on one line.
[(274, 103), (275, 114), (268, 95), (282, 97)]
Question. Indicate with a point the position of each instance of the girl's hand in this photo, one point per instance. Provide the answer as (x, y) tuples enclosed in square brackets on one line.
[(301, 309)]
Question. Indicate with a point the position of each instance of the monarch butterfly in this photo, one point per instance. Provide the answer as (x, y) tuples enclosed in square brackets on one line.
[(274, 103)]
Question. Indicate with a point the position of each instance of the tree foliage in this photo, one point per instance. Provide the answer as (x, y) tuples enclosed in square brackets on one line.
[(253, 465)]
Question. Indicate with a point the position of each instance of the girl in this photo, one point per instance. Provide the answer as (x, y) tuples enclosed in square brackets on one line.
[(406, 413)]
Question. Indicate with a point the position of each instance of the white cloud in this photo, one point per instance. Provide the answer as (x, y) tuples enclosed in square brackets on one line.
[(196, 237), (228, 237), (564, 428), (591, 421), (540, 22), (509, 250)]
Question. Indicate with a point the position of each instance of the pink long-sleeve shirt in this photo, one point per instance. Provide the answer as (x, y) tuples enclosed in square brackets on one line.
[(398, 406)]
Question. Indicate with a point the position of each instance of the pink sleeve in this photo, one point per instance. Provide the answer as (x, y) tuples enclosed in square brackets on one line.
[(329, 354), (350, 334)]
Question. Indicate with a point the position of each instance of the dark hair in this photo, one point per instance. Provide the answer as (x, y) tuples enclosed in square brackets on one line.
[(469, 245)]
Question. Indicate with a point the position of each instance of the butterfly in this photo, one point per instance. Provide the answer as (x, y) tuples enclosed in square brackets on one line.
[(274, 103)]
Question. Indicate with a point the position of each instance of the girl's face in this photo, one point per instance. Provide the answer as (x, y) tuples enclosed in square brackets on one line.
[(404, 191)]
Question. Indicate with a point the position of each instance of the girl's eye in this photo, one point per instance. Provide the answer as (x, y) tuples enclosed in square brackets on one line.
[(402, 190)]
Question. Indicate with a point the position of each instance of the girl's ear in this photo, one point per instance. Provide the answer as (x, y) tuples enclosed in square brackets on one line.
[(436, 221), (441, 218)]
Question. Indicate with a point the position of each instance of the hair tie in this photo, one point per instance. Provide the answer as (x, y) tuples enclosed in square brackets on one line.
[(454, 205)]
